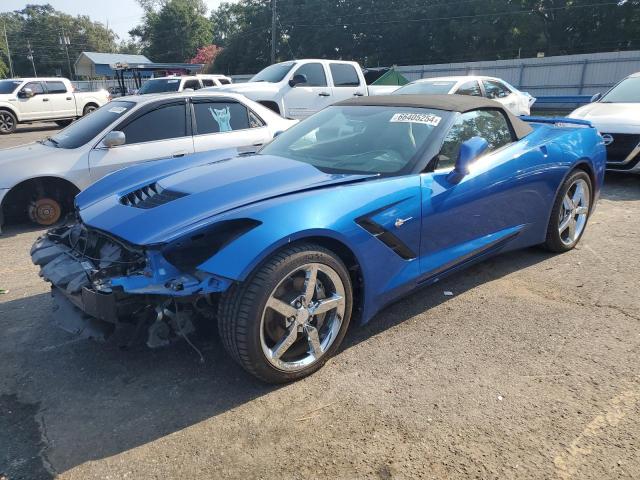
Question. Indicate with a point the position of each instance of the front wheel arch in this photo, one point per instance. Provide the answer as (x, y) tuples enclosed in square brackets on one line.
[(16, 202)]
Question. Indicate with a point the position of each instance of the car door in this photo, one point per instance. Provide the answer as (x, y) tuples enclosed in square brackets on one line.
[(61, 102), (346, 82), (307, 98), (160, 130), (489, 205), (226, 123), (35, 107), (496, 90)]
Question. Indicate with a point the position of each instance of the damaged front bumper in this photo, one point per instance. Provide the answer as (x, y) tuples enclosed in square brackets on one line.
[(101, 285)]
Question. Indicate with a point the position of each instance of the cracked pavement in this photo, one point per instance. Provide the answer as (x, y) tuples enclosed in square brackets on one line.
[(531, 369)]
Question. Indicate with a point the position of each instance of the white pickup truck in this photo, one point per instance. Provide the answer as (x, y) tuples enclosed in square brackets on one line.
[(27, 100), (299, 88)]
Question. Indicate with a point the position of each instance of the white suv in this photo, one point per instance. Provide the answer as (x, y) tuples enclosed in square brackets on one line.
[(179, 84)]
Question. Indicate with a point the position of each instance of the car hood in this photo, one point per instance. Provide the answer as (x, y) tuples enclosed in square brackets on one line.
[(198, 194), (611, 117), (250, 88), (17, 162)]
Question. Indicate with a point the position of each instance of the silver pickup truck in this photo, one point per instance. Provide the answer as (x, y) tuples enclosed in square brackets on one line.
[(27, 100)]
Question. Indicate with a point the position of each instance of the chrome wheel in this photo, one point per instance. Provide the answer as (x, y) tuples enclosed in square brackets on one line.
[(302, 317), (7, 122), (89, 109), (574, 212)]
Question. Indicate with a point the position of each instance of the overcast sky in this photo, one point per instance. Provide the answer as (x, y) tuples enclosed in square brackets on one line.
[(122, 15)]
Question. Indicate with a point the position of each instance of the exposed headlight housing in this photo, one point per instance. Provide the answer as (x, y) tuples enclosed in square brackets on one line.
[(188, 252)]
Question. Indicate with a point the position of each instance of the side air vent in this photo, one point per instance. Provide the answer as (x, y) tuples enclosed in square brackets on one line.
[(386, 237), (150, 196)]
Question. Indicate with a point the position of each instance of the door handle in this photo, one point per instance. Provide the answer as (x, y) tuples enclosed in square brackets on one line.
[(358, 94), (324, 94), (69, 98), (45, 99), (179, 154)]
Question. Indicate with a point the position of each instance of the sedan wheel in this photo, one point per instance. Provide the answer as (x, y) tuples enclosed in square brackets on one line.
[(45, 211), (290, 316), (570, 213), (8, 122)]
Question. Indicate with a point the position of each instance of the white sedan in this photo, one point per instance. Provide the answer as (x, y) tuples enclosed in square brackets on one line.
[(616, 115), (519, 103), (40, 180)]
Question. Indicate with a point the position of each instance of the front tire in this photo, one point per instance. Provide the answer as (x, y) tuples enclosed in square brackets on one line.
[(290, 316), (570, 213)]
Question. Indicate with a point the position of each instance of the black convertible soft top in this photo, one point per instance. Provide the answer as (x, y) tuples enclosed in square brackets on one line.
[(449, 103)]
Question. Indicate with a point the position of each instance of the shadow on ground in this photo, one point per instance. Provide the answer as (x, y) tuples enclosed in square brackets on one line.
[(90, 401)]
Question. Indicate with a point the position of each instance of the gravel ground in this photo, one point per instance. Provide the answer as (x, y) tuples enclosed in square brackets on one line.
[(530, 370)]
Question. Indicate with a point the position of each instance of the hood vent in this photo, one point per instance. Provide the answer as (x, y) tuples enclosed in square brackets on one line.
[(150, 196)]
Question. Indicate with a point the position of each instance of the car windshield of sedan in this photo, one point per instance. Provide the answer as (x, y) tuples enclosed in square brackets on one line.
[(160, 85), (627, 91), (426, 88), (8, 86), (86, 128), (273, 73), (360, 139)]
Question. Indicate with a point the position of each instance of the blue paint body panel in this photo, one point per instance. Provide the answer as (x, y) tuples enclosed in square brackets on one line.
[(504, 203)]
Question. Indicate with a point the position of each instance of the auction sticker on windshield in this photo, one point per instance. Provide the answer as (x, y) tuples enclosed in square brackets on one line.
[(118, 110), (425, 118)]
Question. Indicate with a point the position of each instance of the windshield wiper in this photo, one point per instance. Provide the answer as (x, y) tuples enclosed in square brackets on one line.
[(50, 139)]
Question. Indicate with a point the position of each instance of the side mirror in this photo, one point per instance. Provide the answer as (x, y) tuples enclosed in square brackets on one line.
[(596, 97), (26, 93), (469, 152), (297, 79), (114, 139), (277, 133)]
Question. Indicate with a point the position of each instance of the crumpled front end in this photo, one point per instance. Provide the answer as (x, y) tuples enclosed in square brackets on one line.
[(102, 285)]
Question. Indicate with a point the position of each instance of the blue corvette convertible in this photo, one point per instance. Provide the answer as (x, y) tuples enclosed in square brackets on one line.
[(335, 218)]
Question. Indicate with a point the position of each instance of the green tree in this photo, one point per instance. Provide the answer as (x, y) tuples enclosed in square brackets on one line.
[(387, 32), (173, 30), (41, 28)]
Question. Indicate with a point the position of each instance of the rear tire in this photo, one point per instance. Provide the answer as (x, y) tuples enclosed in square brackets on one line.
[(570, 213), (268, 324), (89, 109), (8, 122), (63, 123)]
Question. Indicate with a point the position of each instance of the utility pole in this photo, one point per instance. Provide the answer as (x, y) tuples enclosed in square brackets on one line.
[(273, 31), (6, 40), (64, 40), (30, 57)]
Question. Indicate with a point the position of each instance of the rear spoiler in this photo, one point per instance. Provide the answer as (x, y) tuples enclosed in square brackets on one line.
[(556, 120)]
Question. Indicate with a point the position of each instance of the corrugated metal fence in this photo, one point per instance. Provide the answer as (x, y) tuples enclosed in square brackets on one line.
[(583, 74)]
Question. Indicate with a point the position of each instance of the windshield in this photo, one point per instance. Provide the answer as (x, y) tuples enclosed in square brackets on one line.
[(160, 85), (425, 88), (359, 139), (627, 91), (273, 73), (87, 127), (9, 86)]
